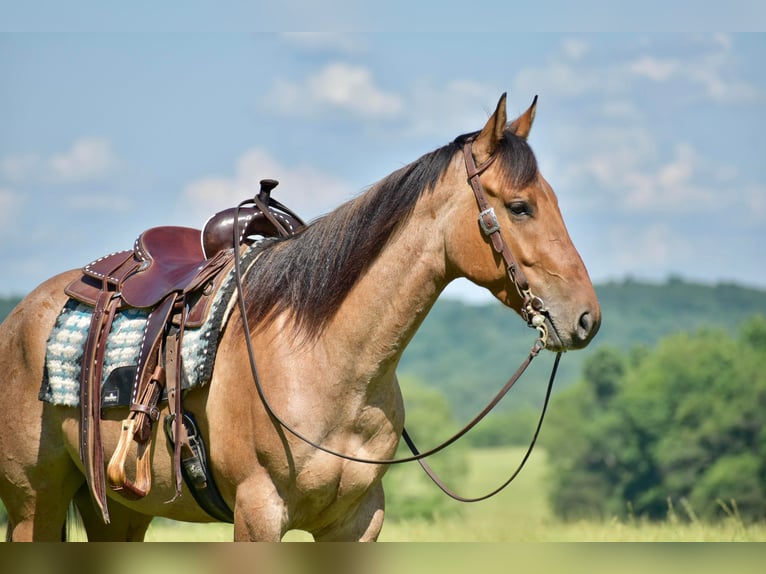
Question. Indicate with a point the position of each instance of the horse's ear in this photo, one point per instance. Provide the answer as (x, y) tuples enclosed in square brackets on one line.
[(491, 133), (522, 125)]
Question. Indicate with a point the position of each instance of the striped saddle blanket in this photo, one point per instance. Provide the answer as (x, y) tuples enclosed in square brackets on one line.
[(66, 343)]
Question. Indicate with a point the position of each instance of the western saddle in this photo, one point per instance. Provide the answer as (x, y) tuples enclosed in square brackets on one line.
[(174, 273)]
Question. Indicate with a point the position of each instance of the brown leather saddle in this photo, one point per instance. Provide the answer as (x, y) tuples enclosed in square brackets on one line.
[(174, 273)]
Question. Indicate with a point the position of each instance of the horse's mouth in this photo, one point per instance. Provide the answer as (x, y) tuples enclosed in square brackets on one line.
[(555, 341), (566, 340)]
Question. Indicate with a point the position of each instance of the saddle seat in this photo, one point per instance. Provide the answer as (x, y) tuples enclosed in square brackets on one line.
[(171, 260), (164, 261)]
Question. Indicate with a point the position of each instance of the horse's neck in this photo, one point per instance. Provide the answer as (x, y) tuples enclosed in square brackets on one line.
[(383, 311)]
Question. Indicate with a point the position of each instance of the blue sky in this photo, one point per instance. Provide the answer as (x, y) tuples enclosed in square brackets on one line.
[(654, 142)]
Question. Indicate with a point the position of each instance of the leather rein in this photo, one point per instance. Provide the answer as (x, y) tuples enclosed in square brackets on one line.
[(532, 311)]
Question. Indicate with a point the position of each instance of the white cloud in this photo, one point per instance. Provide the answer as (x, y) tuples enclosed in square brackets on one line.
[(352, 87), (673, 185), (713, 70), (656, 69), (574, 48), (443, 110), (627, 173), (19, 167), (655, 244), (425, 109), (337, 87), (559, 80), (754, 203), (610, 149), (87, 159), (723, 40), (631, 170), (305, 189), (713, 73), (716, 72), (568, 74), (621, 109), (104, 202)]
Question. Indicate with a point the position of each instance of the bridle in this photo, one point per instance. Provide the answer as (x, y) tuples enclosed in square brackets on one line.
[(532, 307), (532, 310)]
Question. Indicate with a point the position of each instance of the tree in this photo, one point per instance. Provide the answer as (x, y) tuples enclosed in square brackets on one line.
[(514, 427), (604, 370), (682, 422), (409, 492)]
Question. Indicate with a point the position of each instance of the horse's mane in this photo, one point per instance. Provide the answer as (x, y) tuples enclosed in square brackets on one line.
[(310, 274)]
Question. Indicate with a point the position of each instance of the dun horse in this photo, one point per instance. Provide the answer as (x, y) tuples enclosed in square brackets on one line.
[(332, 310)]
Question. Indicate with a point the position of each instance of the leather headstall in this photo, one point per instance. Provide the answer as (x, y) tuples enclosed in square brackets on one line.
[(532, 307)]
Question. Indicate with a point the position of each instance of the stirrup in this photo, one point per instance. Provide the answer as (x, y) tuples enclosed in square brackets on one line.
[(118, 479)]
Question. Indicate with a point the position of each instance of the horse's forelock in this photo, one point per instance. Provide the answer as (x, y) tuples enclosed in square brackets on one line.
[(517, 160)]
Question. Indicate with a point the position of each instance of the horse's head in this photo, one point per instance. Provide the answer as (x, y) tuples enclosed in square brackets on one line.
[(527, 226)]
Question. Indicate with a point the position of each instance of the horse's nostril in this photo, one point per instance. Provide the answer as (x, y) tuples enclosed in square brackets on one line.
[(585, 325)]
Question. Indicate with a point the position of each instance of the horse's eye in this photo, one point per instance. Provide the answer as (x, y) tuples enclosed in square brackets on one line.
[(519, 208)]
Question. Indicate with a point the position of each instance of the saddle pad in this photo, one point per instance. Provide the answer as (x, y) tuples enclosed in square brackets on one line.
[(66, 342)]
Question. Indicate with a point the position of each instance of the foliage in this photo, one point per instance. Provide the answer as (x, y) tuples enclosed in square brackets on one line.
[(499, 429), (6, 306), (683, 423), (409, 492)]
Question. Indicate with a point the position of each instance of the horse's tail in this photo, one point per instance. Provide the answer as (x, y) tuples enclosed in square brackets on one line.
[(73, 527)]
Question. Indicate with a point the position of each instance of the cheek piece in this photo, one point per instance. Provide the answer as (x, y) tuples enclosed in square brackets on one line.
[(532, 307)]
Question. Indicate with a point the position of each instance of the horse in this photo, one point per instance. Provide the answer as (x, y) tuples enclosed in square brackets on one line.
[(332, 310)]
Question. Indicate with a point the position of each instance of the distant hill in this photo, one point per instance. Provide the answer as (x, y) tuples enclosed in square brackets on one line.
[(6, 305), (469, 351)]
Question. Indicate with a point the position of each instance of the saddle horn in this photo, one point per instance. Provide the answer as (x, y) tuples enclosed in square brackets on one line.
[(267, 218)]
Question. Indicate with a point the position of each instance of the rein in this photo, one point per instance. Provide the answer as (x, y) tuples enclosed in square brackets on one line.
[(531, 310)]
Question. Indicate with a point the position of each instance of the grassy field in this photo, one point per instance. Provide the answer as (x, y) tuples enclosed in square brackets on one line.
[(519, 514)]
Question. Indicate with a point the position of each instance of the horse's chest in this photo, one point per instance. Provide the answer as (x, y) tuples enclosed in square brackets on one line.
[(327, 485), (341, 478)]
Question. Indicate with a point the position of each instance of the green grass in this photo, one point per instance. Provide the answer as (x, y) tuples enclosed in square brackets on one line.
[(521, 514), (518, 514)]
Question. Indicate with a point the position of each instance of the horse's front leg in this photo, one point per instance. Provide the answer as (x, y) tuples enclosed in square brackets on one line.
[(259, 511), (363, 524)]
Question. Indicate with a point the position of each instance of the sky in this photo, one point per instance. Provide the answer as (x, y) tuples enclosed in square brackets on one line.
[(653, 142)]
